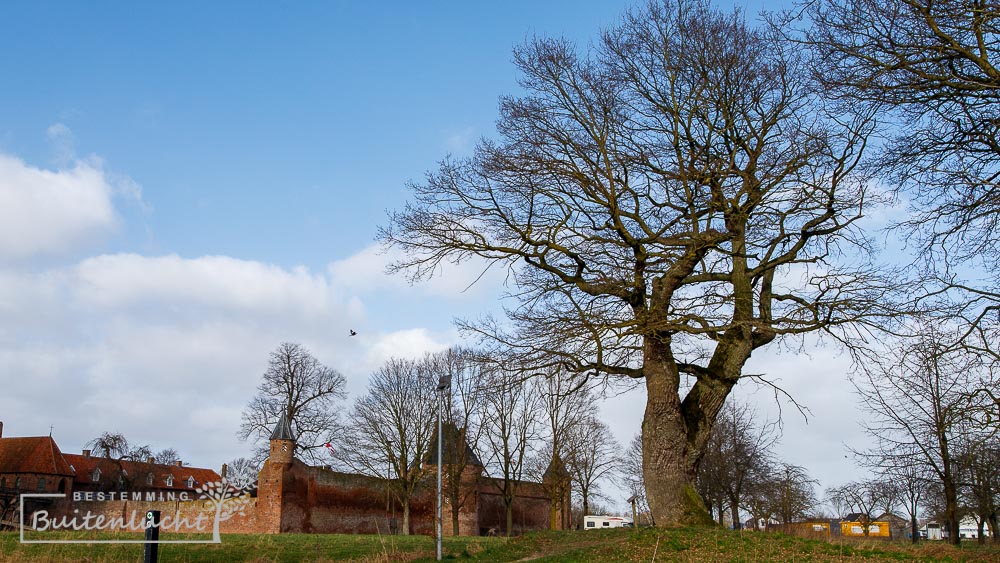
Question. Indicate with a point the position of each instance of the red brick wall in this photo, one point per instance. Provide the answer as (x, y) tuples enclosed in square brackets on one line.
[(531, 508), (294, 497), (29, 482), (317, 500)]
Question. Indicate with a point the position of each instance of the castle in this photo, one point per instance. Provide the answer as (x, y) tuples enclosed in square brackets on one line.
[(291, 496)]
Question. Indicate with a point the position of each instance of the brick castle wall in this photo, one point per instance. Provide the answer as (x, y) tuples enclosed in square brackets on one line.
[(295, 497), (530, 509)]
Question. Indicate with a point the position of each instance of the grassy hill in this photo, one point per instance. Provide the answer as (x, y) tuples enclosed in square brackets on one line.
[(715, 545)]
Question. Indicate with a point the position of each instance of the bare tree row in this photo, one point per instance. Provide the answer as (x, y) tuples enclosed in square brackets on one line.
[(936, 448), (542, 428)]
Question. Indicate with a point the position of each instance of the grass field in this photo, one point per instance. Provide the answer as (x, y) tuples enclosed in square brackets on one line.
[(603, 545)]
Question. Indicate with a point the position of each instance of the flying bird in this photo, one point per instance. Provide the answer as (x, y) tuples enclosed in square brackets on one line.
[(353, 333)]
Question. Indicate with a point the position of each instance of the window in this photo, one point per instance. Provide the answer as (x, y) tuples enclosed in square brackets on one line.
[(17, 483), (41, 483), (170, 480), (189, 483), (149, 478), (96, 475), (591, 524), (606, 524)]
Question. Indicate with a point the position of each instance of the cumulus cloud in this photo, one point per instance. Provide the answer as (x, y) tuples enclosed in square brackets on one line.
[(364, 272), (51, 212), (169, 349), (212, 282)]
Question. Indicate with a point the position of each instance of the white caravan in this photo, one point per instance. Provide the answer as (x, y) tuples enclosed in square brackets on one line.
[(605, 522)]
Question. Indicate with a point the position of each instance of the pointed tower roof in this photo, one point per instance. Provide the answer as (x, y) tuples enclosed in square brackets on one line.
[(556, 469), (283, 429), (454, 441)]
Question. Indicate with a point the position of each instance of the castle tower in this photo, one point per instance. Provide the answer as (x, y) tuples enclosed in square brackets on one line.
[(272, 481), (282, 441), (461, 472), (556, 481)]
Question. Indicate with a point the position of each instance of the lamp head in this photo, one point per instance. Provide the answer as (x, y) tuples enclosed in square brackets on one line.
[(444, 382)]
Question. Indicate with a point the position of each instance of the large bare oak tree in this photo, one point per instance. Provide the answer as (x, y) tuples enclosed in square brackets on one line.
[(666, 203)]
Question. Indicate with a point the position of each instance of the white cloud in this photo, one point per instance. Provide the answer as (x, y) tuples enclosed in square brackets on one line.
[(168, 350), (364, 272), (51, 212), (410, 343), (208, 282)]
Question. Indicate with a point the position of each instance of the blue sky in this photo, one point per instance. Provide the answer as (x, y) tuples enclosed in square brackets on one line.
[(183, 186), (280, 132)]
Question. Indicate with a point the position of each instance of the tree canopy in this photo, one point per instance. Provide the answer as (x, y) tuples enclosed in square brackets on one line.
[(666, 202)]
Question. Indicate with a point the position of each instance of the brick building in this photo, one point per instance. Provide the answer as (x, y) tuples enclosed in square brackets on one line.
[(106, 474), (295, 497), (35, 464), (290, 496)]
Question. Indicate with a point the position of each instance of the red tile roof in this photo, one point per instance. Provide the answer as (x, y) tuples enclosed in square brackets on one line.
[(41, 455), (36, 454), (136, 472)]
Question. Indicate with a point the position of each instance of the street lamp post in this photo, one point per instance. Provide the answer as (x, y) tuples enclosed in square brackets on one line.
[(444, 384)]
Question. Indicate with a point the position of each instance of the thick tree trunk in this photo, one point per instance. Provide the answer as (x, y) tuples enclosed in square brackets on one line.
[(406, 518), (674, 433), (668, 468), (979, 536), (994, 528), (914, 530), (454, 518), (670, 451)]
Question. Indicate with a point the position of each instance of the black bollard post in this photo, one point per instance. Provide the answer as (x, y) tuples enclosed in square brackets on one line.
[(149, 553)]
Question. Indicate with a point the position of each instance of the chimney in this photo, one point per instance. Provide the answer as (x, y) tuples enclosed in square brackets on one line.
[(150, 460), (225, 469), (86, 453), (1, 429), (178, 463)]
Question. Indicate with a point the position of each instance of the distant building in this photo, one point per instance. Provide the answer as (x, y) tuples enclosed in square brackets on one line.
[(812, 528), (853, 526), (35, 464), (107, 474), (968, 528)]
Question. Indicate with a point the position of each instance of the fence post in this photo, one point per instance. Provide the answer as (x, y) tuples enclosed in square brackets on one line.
[(151, 548)]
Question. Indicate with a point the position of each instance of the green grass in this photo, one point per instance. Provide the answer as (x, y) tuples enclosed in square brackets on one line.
[(702, 544)]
